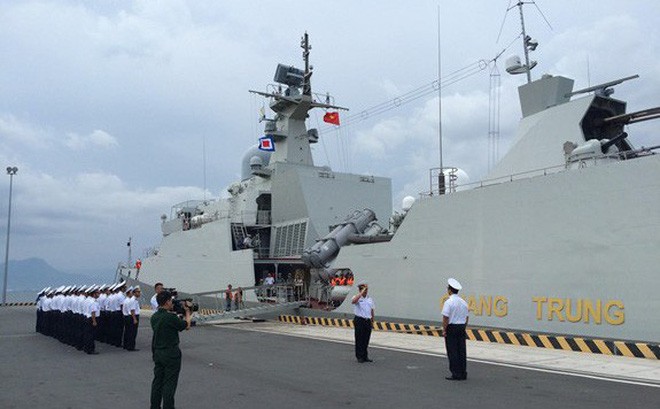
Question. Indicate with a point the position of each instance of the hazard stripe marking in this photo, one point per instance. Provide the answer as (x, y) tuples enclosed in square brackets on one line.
[(512, 338), (567, 343)]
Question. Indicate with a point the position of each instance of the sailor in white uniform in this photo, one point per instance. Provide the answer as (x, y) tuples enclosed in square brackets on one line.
[(363, 306), (92, 310), (454, 320), (131, 312), (159, 289)]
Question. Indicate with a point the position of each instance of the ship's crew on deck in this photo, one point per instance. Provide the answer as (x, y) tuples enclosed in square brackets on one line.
[(165, 349), (454, 320), (269, 281), (299, 284), (159, 289), (228, 297), (363, 306), (247, 242)]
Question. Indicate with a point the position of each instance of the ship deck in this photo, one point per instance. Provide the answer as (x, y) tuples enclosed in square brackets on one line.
[(278, 365)]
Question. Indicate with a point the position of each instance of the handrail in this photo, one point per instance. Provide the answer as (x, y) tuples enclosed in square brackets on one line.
[(271, 293), (545, 171)]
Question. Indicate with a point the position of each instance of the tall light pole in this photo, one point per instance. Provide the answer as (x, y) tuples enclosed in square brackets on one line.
[(11, 171)]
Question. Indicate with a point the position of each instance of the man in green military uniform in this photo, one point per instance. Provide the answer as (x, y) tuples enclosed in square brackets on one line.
[(166, 353)]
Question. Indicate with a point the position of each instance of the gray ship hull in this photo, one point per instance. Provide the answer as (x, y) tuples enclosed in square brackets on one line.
[(556, 253)]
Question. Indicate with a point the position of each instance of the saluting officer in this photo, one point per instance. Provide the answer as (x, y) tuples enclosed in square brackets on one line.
[(363, 306)]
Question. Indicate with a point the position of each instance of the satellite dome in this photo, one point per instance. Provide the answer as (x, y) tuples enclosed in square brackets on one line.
[(253, 154), (407, 203)]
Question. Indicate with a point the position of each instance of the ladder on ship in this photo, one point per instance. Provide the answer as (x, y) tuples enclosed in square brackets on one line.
[(224, 317), (238, 233)]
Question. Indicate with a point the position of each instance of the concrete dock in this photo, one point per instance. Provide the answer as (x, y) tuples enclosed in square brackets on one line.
[(276, 365)]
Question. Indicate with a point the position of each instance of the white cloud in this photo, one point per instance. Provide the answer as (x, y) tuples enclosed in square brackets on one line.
[(97, 138), (79, 222), (21, 132)]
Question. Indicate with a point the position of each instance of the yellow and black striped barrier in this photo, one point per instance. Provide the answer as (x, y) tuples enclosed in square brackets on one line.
[(590, 345), (208, 311), (18, 304)]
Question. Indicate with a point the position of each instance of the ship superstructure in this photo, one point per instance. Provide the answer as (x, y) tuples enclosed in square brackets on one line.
[(281, 206)]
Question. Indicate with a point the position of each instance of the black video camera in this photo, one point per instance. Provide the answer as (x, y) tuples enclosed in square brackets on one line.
[(178, 304)]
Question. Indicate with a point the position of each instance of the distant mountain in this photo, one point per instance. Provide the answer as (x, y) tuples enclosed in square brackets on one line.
[(35, 273)]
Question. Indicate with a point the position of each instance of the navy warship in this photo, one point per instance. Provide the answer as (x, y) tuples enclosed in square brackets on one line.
[(561, 237)]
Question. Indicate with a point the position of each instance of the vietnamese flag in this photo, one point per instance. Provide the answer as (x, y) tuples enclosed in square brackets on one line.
[(331, 118)]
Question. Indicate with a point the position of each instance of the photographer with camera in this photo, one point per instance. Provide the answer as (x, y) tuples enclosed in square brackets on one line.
[(166, 326)]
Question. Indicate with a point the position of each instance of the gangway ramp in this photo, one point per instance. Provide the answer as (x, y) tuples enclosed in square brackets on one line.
[(230, 317)]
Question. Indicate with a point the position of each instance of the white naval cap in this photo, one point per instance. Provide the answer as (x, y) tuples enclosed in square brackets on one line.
[(453, 283), (137, 287), (362, 282), (130, 289)]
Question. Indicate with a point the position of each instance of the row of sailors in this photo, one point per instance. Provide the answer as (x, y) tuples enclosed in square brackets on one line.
[(80, 315)]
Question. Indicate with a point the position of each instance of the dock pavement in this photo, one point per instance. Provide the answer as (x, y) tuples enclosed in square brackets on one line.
[(276, 365)]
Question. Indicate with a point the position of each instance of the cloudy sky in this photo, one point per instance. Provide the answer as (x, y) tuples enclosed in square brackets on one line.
[(108, 108)]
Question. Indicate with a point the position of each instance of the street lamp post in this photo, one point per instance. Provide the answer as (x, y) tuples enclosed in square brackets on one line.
[(11, 171)]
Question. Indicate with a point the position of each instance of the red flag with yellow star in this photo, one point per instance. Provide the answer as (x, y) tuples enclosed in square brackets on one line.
[(331, 118)]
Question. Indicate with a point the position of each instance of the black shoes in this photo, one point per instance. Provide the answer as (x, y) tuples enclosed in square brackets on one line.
[(451, 378), (364, 360), (93, 353)]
